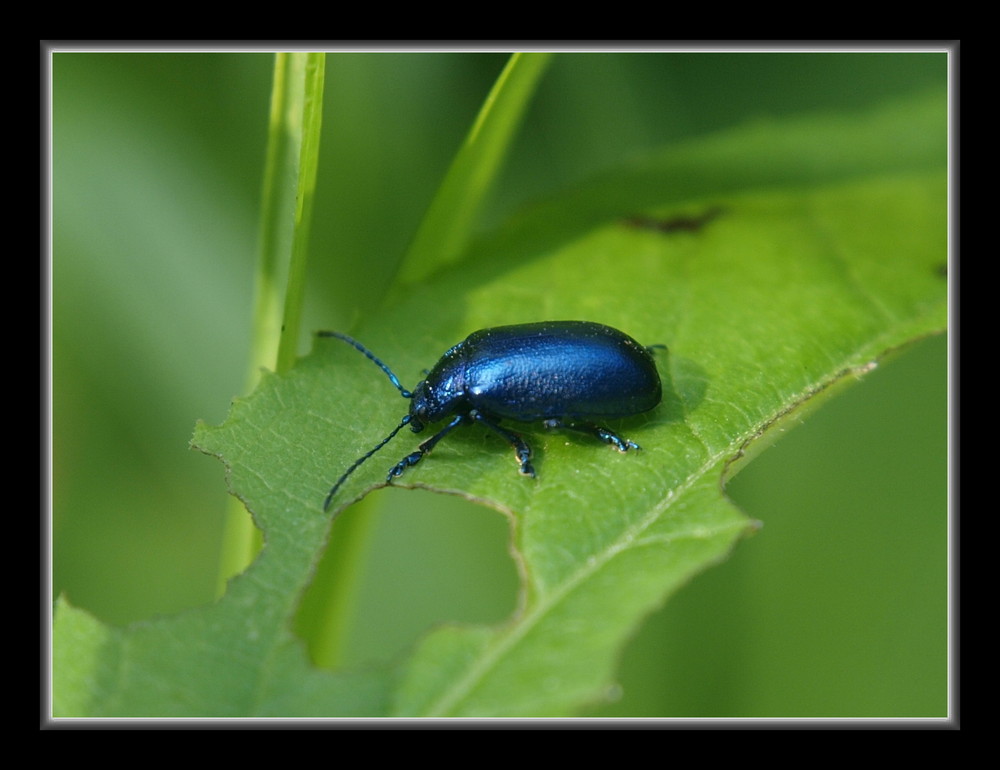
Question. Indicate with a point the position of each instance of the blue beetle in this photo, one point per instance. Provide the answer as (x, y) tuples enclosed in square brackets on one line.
[(551, 371)]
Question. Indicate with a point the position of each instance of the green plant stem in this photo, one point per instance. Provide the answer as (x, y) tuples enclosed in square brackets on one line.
[(286, 212), (308, 162), (330, 606)]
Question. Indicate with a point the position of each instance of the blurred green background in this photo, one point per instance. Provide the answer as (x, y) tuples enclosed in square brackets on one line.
[(837, 607)]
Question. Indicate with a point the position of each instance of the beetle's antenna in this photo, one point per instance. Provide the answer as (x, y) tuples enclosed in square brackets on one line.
[(372, 357), (349, 471)]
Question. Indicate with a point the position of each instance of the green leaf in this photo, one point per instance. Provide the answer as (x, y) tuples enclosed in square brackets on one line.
[(826, 249)]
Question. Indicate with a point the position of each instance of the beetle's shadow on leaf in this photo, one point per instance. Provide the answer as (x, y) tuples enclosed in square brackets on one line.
[(685, 383)]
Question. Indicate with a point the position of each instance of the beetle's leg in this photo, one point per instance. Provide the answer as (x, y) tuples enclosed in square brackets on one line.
[(521, 449), (412, 459), (605, 435)]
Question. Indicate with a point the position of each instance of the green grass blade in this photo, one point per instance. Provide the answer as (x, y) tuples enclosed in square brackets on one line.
[(311, 110), (451, 218), (287, 198)]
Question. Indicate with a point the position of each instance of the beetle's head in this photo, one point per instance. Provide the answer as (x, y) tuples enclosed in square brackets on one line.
[(438, 396), (418, 407)]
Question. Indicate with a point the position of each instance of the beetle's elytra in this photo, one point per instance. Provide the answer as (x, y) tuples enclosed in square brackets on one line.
[(564, 373)]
